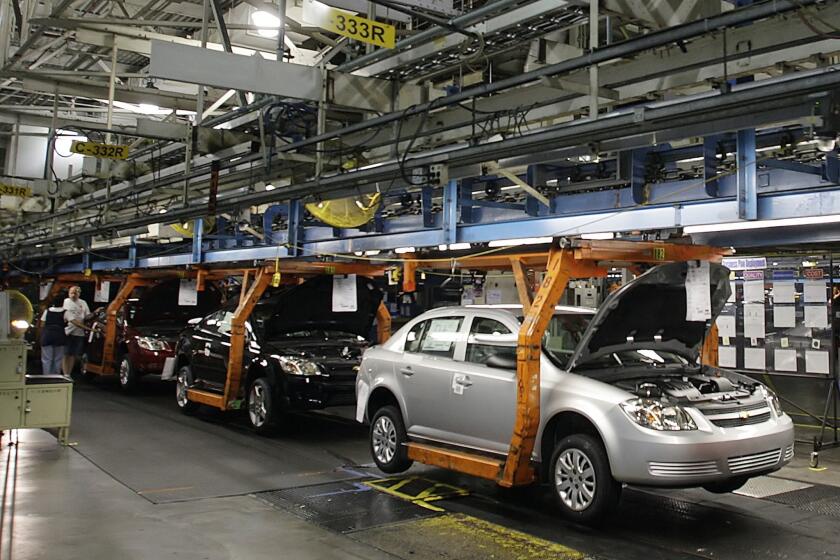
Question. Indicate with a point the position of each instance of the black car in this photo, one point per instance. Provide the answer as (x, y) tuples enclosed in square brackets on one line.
[(299, 354)]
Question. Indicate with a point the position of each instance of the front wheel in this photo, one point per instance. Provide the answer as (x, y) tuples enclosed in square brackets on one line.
[(726, 486), (183, 381), (584, 488), (128, 375), (388, 439), (261, 411)]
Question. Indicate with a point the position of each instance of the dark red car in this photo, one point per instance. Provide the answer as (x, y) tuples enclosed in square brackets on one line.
[(147, 329)]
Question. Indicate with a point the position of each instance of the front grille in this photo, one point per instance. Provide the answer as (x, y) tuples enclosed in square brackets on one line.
[(734, 408), (695, 468), (789, 453), (756, 461), (735, 422)]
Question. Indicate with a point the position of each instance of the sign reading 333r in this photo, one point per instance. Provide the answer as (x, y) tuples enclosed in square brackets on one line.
[(348, 25), (102, 151)]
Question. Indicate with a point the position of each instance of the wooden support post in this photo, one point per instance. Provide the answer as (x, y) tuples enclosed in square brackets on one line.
[(518, 469), (110, 337), (383, 323), (520, 275), (237, 335), (409, 272)]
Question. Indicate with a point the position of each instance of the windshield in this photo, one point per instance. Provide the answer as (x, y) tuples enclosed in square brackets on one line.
[(318, 334), (562, 336), (634, 358), (158, 305)]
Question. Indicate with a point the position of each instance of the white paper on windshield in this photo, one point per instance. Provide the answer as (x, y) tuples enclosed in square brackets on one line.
[(731, 293), (698, 301), (494, 296), (44, 290), (754, 290), (188, 292), (754, 358), (726, 326), (442, 333), (816, 316), (100, 295), (726, 356), (815, 291), (784, 291), (784, 360), (754, 320), (784, 316), (816, 361), (361, 401), (344, 294)]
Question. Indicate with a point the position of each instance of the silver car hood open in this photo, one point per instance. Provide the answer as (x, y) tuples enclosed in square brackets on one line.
[(649, 313)]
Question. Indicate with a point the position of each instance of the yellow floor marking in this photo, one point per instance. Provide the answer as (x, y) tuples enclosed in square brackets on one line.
[(434, 491), (159, 490), (817, 469)]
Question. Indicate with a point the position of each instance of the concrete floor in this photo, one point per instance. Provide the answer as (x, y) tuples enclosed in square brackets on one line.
[(143, 481)]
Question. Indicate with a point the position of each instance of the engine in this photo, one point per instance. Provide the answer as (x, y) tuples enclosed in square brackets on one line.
[(689, 388)]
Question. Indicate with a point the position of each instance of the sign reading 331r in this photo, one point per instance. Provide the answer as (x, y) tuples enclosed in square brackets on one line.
[(102, 151), (348, 25)]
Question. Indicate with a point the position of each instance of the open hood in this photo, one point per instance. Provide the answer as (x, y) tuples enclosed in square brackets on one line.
[(309, 306), (649, 313)]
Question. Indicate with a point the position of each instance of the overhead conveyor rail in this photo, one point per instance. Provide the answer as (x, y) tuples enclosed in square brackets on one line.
[(564, 262)]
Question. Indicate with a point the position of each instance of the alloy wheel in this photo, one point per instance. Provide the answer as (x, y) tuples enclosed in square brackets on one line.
[(574, 478), (125, 370), (181, 387), (256, 406), (384, 439)]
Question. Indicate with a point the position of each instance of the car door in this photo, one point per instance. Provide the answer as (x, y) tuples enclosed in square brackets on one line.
[(203, 339), (484, 396), (425, 375)]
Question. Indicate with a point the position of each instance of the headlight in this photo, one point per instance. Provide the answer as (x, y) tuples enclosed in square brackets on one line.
[(149, 343), (773, 401), (298, 366), (656, 415)]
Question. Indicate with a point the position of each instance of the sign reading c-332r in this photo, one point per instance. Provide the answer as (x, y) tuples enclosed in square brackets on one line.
[(348, 25), (102, 151)]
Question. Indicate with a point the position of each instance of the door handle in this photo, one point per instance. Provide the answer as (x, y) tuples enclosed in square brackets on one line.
[(463, 381), (407, 371)]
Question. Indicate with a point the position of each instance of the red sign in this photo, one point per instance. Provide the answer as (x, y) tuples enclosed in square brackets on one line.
[(813, 273)]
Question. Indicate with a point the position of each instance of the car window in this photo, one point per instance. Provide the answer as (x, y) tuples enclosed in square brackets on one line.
[(436, 337), (488, 338), (223, 324), (563, 334)]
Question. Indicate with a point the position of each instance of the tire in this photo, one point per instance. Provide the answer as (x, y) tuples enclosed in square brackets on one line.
[(260, 407), (725, 486), (129, 379), (388, 439), (581, 480), (184, 379)]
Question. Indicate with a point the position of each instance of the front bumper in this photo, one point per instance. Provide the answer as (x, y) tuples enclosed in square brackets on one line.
[(307, 393), (685, 459), (150, 361)]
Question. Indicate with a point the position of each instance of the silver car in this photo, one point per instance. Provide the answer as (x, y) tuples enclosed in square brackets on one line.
[(623, 399)]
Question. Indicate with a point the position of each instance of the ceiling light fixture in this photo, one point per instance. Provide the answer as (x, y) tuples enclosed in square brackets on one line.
[(520, 241), (761, 224), (266, 18), (401, 250), (604, 235)]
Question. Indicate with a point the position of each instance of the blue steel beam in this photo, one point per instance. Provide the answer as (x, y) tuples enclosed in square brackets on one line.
[(747, 180), (198, 232), (295, 226), (450, 211)]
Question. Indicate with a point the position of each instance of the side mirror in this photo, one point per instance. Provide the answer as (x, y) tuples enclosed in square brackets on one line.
[(194, 321), (501, 362)]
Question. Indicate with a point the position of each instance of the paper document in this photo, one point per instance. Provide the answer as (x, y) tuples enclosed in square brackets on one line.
[(754, 320), (727, 356), (344, 294), (732, 293), (754, 358), (816, 361), (784, 292), (102, 293), (698, 301), (815, 291), (726, 326), (494, 296), (784, 316), (784, 360), (816, 316), (754, 290), (188, 292)]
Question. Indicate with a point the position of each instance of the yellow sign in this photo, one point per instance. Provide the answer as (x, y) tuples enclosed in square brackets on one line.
[(350, 26), (12, 190), (659, 253), (103, 151)]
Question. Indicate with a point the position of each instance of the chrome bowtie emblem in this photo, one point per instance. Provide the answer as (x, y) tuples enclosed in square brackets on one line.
[(744, 415), (345, 352)]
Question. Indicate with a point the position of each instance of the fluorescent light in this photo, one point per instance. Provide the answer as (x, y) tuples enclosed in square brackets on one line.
[(162, 211), (270, 21), (454, 246), (148, 108), (604, 235), (270, 187), (520, 241), (401, 250), (358, 253), (372, 253), (760, 224)]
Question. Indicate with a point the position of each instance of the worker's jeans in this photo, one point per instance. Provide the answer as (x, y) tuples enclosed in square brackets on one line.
[(51, 359)]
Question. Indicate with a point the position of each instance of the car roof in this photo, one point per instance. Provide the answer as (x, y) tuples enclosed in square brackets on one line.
[(508, 309)]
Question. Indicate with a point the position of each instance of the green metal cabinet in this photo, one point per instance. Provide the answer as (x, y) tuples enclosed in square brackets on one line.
[(11, 408), (47, 406)]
